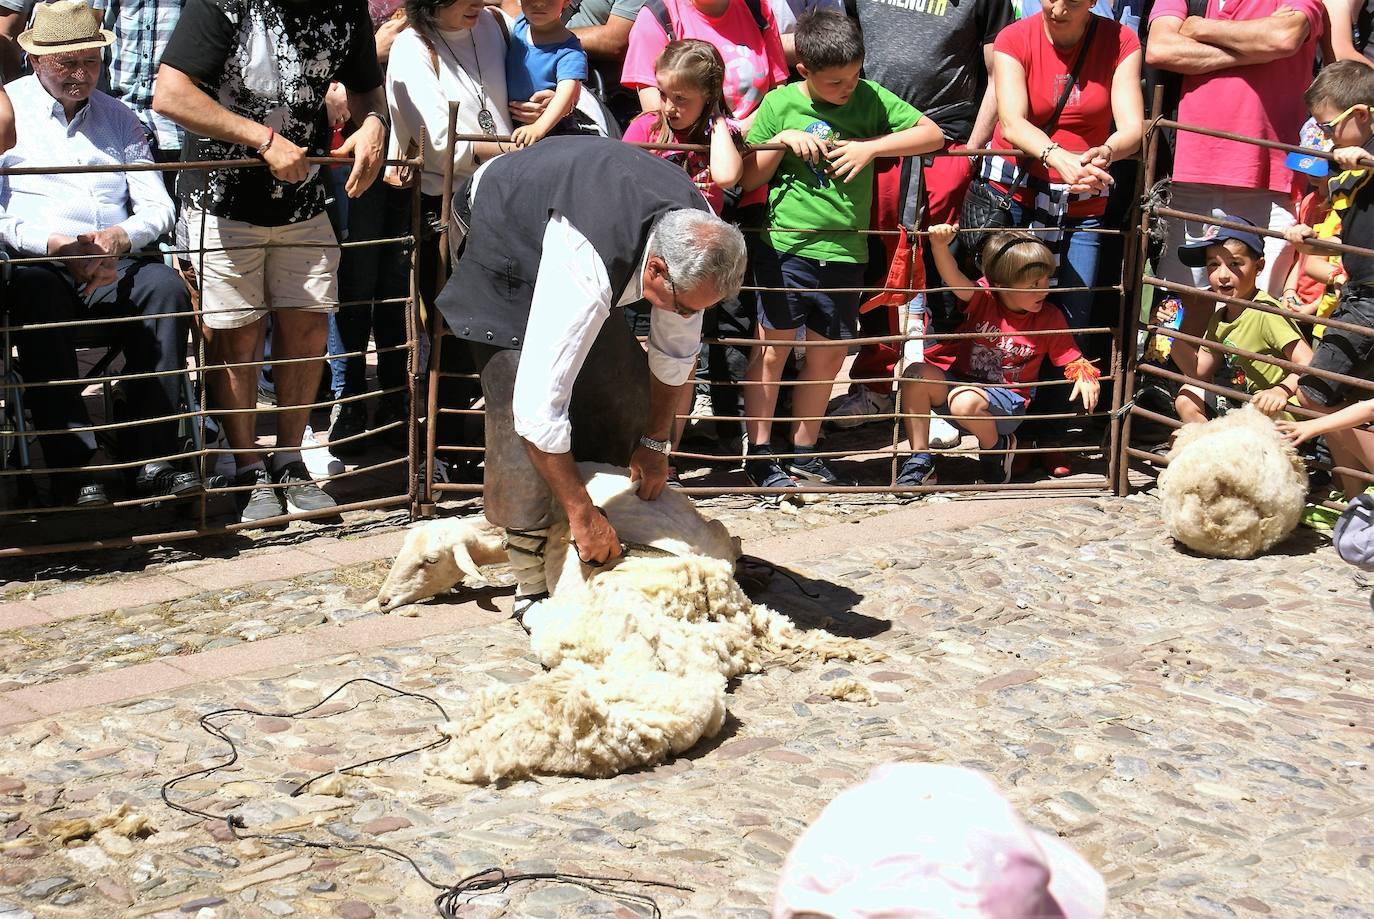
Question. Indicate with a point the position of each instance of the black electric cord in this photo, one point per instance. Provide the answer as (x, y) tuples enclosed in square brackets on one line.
[(452, 896)]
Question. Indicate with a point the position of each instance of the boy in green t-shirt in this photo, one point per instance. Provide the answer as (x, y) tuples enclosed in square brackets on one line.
[(833, 125), (1233, 260)]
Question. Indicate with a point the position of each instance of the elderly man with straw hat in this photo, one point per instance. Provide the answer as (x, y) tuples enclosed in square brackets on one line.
[(93, 227)]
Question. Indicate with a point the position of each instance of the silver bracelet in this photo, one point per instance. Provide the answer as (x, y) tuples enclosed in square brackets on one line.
[(1045, 154)]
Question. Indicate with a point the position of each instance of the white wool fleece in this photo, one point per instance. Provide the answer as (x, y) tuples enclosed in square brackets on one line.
[(1234, 486)]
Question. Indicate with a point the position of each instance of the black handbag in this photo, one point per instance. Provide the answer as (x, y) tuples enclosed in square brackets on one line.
[(986, 209)]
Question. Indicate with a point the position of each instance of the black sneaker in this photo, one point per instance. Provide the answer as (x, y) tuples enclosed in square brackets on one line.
[(392, 408), (996, 467), (919, 469), (815, 469), (160, 479), (347, 424), (763, 471), (301, 493), (260, 503)]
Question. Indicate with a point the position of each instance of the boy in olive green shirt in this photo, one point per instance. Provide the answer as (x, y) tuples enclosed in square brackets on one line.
[(833, 125), (1233, 262)]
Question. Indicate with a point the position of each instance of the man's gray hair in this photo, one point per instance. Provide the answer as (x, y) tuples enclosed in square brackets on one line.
[(703, 252)]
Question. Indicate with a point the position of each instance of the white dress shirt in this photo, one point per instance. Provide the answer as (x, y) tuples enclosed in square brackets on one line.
[(103, 132), (571, 301)]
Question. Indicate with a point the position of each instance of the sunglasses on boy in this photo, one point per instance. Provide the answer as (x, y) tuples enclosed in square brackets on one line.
[(1329, 127)]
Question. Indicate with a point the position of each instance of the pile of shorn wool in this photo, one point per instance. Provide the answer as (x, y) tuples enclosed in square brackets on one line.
[(1234, 487), (638, 655)]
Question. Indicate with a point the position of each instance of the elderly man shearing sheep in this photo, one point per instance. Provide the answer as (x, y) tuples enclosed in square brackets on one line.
[(560, 236)]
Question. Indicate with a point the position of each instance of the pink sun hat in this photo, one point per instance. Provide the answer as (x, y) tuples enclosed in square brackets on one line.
[(925, 841)]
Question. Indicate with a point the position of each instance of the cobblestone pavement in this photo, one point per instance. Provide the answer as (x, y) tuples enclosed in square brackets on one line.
[(1197, 728)]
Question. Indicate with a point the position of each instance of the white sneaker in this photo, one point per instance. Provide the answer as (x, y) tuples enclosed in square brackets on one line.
[(702, 426), (943, 435), (860, 400)]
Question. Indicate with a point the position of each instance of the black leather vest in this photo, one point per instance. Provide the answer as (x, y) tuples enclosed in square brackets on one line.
[(610, 191)]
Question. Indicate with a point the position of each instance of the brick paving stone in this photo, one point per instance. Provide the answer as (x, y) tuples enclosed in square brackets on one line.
[(1196, 728)]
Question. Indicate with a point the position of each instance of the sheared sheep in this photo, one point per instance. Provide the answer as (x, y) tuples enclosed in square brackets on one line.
[(639, 656), (436, 556), (1234, 486)]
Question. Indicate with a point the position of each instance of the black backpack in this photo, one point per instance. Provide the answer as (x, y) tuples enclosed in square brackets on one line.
[(659, 8)]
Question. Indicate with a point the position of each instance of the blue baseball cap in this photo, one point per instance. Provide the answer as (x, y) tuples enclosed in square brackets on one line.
[(1194, 254)]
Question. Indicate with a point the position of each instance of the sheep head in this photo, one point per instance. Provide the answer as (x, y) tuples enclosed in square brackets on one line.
[(436, 556)]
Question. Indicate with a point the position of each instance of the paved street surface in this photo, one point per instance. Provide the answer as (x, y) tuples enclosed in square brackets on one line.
[(1198, 729)]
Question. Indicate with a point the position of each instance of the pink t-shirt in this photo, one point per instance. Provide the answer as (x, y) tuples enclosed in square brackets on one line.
[(754, 63), (1006, 360), (1258, 100), (698, 165)]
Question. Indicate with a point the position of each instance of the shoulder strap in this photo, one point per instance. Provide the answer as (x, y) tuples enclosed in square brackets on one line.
[(756, 10), (1048, 126), (1197, 8), (659, 9), (501, 22)]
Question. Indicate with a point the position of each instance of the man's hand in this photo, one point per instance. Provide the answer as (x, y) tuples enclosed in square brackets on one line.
[(112, 240), (286, 161), (649, 468), (849, 157), (336, 104), (1271, 401), (807, 146), (531, 111), (367, 147), (90, 273), (596, 540)]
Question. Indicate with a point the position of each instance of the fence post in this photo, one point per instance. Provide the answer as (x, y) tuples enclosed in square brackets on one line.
[(1121, 419), (436, 321), (421, 501)]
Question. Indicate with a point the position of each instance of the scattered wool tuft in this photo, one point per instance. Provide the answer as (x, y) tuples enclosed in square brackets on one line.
[(640, 654), (118, 822), (849, 690), (1234, 486)]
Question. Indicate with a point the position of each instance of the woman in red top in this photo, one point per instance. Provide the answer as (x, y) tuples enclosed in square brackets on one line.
[(1068, 182)]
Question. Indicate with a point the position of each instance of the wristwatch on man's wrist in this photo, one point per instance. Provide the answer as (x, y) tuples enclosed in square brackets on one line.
[(662, 446)]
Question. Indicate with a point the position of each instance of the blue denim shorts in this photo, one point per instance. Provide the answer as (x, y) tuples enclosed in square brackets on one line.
[(1007, 407)]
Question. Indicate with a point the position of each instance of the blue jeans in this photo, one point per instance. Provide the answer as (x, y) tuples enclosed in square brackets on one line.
[(372, 273), (1078, 254)]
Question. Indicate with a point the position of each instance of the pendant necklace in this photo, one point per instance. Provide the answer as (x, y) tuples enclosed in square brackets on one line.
[(484, 117)]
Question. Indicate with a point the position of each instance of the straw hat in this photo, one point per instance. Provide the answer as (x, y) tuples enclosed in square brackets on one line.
[(63, 26)]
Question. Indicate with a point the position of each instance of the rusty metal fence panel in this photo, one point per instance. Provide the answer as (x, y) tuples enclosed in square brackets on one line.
[(1124, 286), (1140, 327), (407, 477), (28, 525)]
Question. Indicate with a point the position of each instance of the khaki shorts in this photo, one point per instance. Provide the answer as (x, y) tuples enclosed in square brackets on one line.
[(239, 286)]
